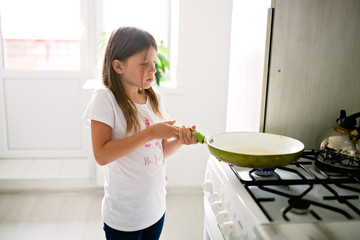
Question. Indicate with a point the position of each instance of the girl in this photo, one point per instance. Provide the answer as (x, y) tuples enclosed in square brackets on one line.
[(131, 139)]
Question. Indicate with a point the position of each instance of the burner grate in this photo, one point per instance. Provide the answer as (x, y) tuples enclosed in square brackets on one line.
[(332, 184), (334, 158)]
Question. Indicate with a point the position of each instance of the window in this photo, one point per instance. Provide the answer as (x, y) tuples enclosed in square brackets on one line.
[(41, 34), (152, 16), (65, 35), (156, 16)]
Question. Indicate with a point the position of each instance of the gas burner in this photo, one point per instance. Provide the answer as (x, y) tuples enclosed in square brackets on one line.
[(329, 170), (299, 206), (264, 172)]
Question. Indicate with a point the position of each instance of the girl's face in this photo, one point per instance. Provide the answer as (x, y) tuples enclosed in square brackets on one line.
[(138, 71)]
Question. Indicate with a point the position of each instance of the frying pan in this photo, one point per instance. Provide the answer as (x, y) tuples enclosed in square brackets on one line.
[(253, 149)]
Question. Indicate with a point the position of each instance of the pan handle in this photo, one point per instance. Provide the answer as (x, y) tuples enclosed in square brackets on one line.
[(199, 137)]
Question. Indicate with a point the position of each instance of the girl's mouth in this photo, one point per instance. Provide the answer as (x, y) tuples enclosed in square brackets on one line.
[(150, 79)]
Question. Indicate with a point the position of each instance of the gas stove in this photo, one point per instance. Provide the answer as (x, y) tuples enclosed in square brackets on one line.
[(305, 200)]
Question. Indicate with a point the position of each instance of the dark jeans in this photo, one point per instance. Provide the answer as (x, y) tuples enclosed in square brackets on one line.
[(151, 233)]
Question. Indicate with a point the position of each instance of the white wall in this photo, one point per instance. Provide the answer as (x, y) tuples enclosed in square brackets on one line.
[(247, 58), (201, 94), (202, 76)]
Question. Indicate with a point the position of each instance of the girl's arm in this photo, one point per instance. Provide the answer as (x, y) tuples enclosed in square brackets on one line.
[(170, 146), (107, 150)]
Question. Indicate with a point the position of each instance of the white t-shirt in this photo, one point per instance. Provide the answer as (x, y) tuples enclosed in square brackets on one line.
[(134, 184)]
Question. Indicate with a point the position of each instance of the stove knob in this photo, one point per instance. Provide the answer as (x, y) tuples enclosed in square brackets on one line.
[(222, 217), (214, 197), (207, 186), (217, 206), (227, 228)]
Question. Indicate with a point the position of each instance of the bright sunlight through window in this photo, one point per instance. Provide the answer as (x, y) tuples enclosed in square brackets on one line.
[(41, 34)]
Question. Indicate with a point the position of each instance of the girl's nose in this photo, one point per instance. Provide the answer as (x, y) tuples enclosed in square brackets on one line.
[(152, 68)]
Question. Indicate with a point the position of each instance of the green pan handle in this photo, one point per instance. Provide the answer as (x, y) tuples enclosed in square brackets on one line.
[(199, 137)]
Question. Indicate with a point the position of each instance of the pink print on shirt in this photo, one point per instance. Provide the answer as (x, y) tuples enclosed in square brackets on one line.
[(147, 160), (147, 124)]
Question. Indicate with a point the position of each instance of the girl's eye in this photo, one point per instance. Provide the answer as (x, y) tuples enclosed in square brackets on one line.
[(146, 63)]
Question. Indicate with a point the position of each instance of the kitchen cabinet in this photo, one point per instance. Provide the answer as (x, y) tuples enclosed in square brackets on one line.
[(314, 67), (311, 54)]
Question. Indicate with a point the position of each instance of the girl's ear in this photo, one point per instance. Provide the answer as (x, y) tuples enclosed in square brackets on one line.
[(118, 66)]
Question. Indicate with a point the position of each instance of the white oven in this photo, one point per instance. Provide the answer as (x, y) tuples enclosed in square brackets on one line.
[(298, 201)]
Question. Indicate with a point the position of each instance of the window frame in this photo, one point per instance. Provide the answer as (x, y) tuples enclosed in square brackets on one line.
[(88, 15), (91, 15)]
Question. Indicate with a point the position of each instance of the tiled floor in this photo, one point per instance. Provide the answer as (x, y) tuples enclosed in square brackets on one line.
[(76, 215), (35, 212)]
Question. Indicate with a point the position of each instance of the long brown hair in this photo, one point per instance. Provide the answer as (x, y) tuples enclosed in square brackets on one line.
[(123, 43)]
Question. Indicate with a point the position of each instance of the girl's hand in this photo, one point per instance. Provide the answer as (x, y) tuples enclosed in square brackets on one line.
[(164, 130), (186, 136)]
